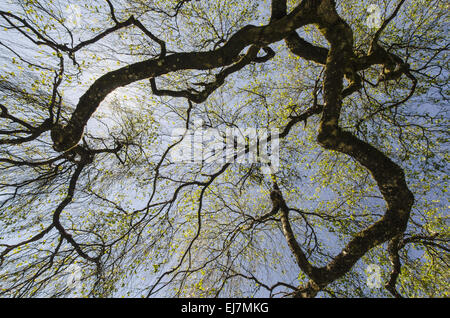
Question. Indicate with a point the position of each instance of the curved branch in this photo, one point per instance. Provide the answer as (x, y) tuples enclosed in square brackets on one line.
[(388, 175)]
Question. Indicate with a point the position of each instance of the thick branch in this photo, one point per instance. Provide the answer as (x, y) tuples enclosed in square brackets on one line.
[(200, 97), (388, 175)]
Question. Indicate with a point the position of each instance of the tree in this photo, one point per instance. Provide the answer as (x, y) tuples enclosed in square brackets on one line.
[(91, 91)]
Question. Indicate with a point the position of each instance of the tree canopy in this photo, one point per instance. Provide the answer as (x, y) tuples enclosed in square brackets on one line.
[(91, 92)]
